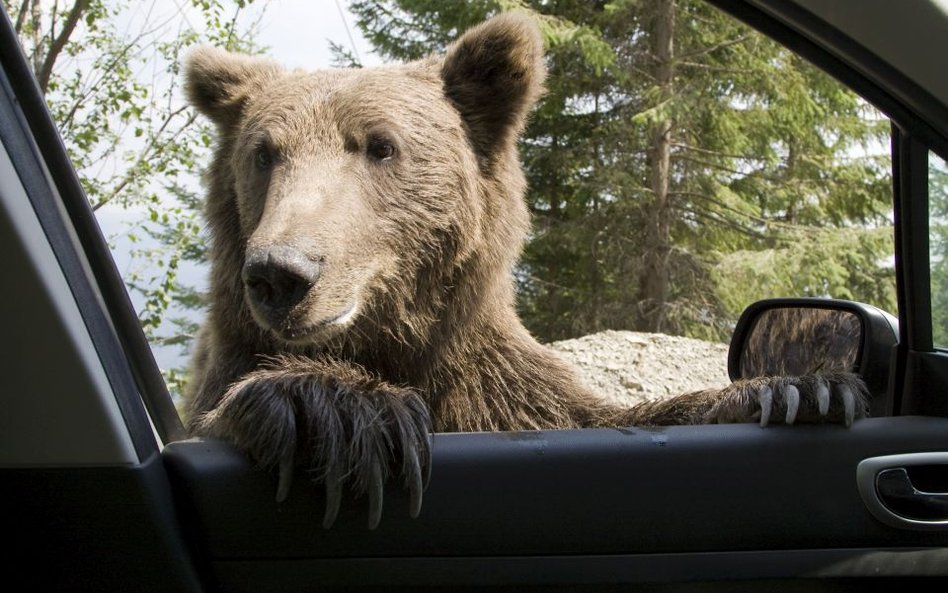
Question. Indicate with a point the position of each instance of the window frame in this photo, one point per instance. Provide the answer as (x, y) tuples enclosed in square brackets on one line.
[(83, 253)]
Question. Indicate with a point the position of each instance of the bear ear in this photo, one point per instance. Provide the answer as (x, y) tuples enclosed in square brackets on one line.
[(218, 83), (494, 74)]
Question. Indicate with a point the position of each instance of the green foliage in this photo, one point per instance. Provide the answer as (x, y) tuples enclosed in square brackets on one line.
[(114, 91), (775, 184), (938, 247), (813, 262)]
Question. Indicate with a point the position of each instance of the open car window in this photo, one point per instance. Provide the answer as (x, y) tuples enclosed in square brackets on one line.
[(778, 184), (803, 211)]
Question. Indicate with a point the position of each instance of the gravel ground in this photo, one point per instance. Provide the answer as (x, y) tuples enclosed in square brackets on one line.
[(628, 367)]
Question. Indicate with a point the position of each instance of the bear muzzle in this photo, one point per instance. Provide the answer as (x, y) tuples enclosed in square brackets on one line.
[(278, 278)]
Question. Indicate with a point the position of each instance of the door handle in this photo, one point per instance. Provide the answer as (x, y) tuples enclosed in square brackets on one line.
[(885, 484), (898, 493)]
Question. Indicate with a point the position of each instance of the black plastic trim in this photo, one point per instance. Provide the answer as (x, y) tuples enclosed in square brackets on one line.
[(901, 206), (93, 529), (919, 369), (116, 330), (927, 374), (805, 571), (910, 175)]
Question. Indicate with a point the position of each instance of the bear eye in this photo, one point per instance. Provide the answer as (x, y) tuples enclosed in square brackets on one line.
[(380, 148), (263, 157)]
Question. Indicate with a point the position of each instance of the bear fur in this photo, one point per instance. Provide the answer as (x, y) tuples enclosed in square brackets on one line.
[(364, 226)]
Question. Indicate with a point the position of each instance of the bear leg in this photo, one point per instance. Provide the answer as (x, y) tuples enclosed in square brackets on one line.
[(332, 418)]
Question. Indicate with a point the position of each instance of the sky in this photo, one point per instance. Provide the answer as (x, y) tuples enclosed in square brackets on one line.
[(297, 32)]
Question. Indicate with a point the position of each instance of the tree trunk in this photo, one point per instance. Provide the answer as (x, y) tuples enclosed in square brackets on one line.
[(36, 18), (653, 292), (58, 43)]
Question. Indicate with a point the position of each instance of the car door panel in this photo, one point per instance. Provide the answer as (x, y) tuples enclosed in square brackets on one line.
[(930, 370), (93, 528), (680, 491)]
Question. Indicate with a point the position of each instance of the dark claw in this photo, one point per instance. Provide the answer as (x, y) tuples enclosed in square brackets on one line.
[(426, 479), (415, 487), (376, 493), (333, 496), (357, 429), (285, 476)]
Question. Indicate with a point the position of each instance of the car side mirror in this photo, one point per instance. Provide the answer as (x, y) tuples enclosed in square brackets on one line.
[(802, 336)]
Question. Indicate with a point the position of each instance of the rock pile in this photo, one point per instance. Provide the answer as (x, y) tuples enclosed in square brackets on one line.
[(628, 367)]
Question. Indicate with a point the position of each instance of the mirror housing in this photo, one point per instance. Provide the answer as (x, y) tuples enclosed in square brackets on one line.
[(798, 336)]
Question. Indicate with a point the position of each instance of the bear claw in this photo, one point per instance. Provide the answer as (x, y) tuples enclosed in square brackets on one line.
[(285, 476), (766, 399), (840, 398), (791, 395), (823, 398), (333, 498), (415, 485), (376, 494), (849, 404)]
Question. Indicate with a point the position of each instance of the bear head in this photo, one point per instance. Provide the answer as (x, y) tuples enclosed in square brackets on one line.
[(369, 201)]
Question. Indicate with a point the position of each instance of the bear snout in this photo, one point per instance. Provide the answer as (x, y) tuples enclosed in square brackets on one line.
[(278, 277)]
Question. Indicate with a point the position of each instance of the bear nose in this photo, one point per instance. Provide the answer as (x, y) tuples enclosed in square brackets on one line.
[(278, 276)]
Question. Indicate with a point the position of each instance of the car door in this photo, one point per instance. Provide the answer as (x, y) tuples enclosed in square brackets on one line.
[(86, 503), (101, 492)]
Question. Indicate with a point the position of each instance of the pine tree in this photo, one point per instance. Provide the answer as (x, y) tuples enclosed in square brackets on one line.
[(680, 166)]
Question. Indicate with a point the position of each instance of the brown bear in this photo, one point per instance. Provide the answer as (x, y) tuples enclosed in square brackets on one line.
[(364, 225)]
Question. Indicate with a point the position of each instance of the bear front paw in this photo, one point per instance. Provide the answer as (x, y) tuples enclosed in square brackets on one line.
[(357, 434), (831, 397)]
